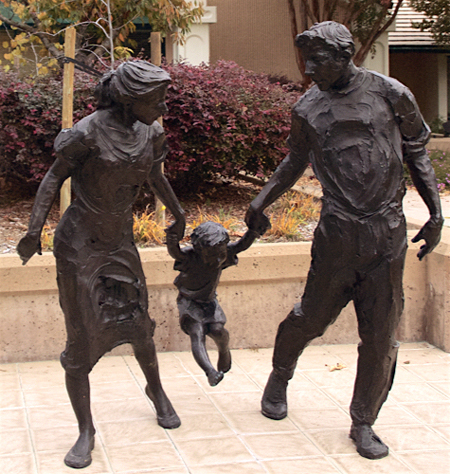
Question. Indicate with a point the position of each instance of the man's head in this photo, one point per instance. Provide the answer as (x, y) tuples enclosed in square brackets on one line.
[(327, 49), (210, 239)]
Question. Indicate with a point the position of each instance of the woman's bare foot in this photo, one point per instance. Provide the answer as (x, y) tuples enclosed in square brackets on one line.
[(80, 454), (165, 413)]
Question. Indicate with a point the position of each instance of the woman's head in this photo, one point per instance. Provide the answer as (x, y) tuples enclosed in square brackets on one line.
[(132, 82)]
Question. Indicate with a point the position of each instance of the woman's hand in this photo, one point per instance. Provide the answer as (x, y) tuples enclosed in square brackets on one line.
[(28, 246)]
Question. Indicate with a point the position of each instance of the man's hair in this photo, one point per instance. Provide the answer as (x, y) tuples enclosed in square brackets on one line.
[(209, 234), (330, 34), (131, 80)]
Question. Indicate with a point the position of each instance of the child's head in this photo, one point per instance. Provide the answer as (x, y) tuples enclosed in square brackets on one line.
[(210, 239)]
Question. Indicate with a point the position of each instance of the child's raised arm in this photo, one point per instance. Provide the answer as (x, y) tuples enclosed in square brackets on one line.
[(244, 242), (173, 245)]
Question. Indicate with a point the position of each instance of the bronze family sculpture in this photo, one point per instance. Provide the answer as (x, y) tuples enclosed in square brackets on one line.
[(357, 128), (102, 290), (200, 268)]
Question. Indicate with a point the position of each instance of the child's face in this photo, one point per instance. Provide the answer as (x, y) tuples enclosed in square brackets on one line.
[(214, 256)]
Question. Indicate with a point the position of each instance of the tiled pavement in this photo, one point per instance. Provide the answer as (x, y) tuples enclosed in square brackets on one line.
[(222, 429)]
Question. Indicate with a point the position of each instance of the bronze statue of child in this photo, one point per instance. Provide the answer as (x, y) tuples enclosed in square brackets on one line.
[(200, 268)]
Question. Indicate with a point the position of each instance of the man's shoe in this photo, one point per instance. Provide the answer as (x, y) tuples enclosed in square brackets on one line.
[(274, 402), (368, 444)]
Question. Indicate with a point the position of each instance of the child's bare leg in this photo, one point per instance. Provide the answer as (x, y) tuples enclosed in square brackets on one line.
[(78, 389), (222, 338), (197, 334), (146, 356)]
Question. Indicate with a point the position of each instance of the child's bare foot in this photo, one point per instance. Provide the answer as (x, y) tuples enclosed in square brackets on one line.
[(214, 377), (224, 362), (80, 454)]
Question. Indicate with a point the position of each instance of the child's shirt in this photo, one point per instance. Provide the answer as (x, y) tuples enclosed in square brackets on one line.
[(198, 281)]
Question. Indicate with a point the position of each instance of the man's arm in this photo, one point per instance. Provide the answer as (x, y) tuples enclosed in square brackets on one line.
[(415, 136)]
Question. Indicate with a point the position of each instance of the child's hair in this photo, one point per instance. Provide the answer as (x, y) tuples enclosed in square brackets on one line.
[(209, 234)]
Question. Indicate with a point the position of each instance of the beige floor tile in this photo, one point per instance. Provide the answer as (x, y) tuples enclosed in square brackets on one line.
[(443, 387), (8, 369), (192, 404), (416, 392), (333, 441), (59, 415), (53, 463), (182, 386), (312, 399), (256, 363), (13, 419), (49, 396), (55, 438), (411, 438), (356, 464), (341, 349), (181, 470), (406, 346), (337, 378), (404, 375), (105, 374), (303, 465), (326, 418), (280, 445), (430, 355), (35, 381), (11, 399), (123, 433), (430, 412), (320, 360), (428, 462), (201, 426), (104, 392), (443, 430), (236, 468), (44, 367), (213, 451), (340, 395), (15, 442), (18, 464), (186, 359), (256, 422), (231, 382), (10, 381), (122, 410), (237, 401), (169, 365), (143, 457), (433, 372), (396, 415)]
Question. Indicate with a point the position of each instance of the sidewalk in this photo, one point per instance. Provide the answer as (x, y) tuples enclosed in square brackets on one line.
[(223, 431)]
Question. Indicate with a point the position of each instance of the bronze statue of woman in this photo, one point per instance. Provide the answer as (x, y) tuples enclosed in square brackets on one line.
[(102, 289)]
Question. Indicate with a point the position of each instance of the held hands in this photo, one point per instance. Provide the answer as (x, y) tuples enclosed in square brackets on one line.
[(28, 246), (257, 221), (431, 233), (176, 230)]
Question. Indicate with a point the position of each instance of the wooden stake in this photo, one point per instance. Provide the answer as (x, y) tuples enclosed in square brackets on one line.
[(155, 45), (67, 107)]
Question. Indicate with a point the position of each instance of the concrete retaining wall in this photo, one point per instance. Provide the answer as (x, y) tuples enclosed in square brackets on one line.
[(256, 295)]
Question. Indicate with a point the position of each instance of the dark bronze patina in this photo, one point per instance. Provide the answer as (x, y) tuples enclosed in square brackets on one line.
[(357, 128)]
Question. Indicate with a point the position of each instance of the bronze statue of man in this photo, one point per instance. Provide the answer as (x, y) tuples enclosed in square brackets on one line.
[(102, 289), (357, 128)]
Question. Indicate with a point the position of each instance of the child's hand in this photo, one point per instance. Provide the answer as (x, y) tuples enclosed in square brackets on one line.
[(175, 232)]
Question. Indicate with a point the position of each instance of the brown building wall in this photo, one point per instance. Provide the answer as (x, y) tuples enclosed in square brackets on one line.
[(419, 72), (256, 34)]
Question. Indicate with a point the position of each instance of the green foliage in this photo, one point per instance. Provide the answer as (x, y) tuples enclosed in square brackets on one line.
[(437, 21), (441, 165), (436, 125)]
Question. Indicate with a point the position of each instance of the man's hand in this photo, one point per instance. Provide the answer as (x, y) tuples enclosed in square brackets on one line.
[(28, 246), (431, 233), (257, 221)]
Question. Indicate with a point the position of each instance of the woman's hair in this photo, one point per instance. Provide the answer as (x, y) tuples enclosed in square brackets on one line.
[(209, 234), (330, 34), (131, 80)]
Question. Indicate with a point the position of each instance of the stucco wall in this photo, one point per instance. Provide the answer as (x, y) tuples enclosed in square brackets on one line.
[(256, 295)]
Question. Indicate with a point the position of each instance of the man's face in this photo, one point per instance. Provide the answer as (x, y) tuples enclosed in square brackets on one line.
[(214, 256), (325, 66), (151, 106)]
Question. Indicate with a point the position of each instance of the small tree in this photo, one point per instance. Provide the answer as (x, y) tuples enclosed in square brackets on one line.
[(103, 26), (437, 20), (366, 19)]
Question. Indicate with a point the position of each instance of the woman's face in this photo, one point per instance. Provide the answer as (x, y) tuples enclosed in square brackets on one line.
[(148, 108)]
